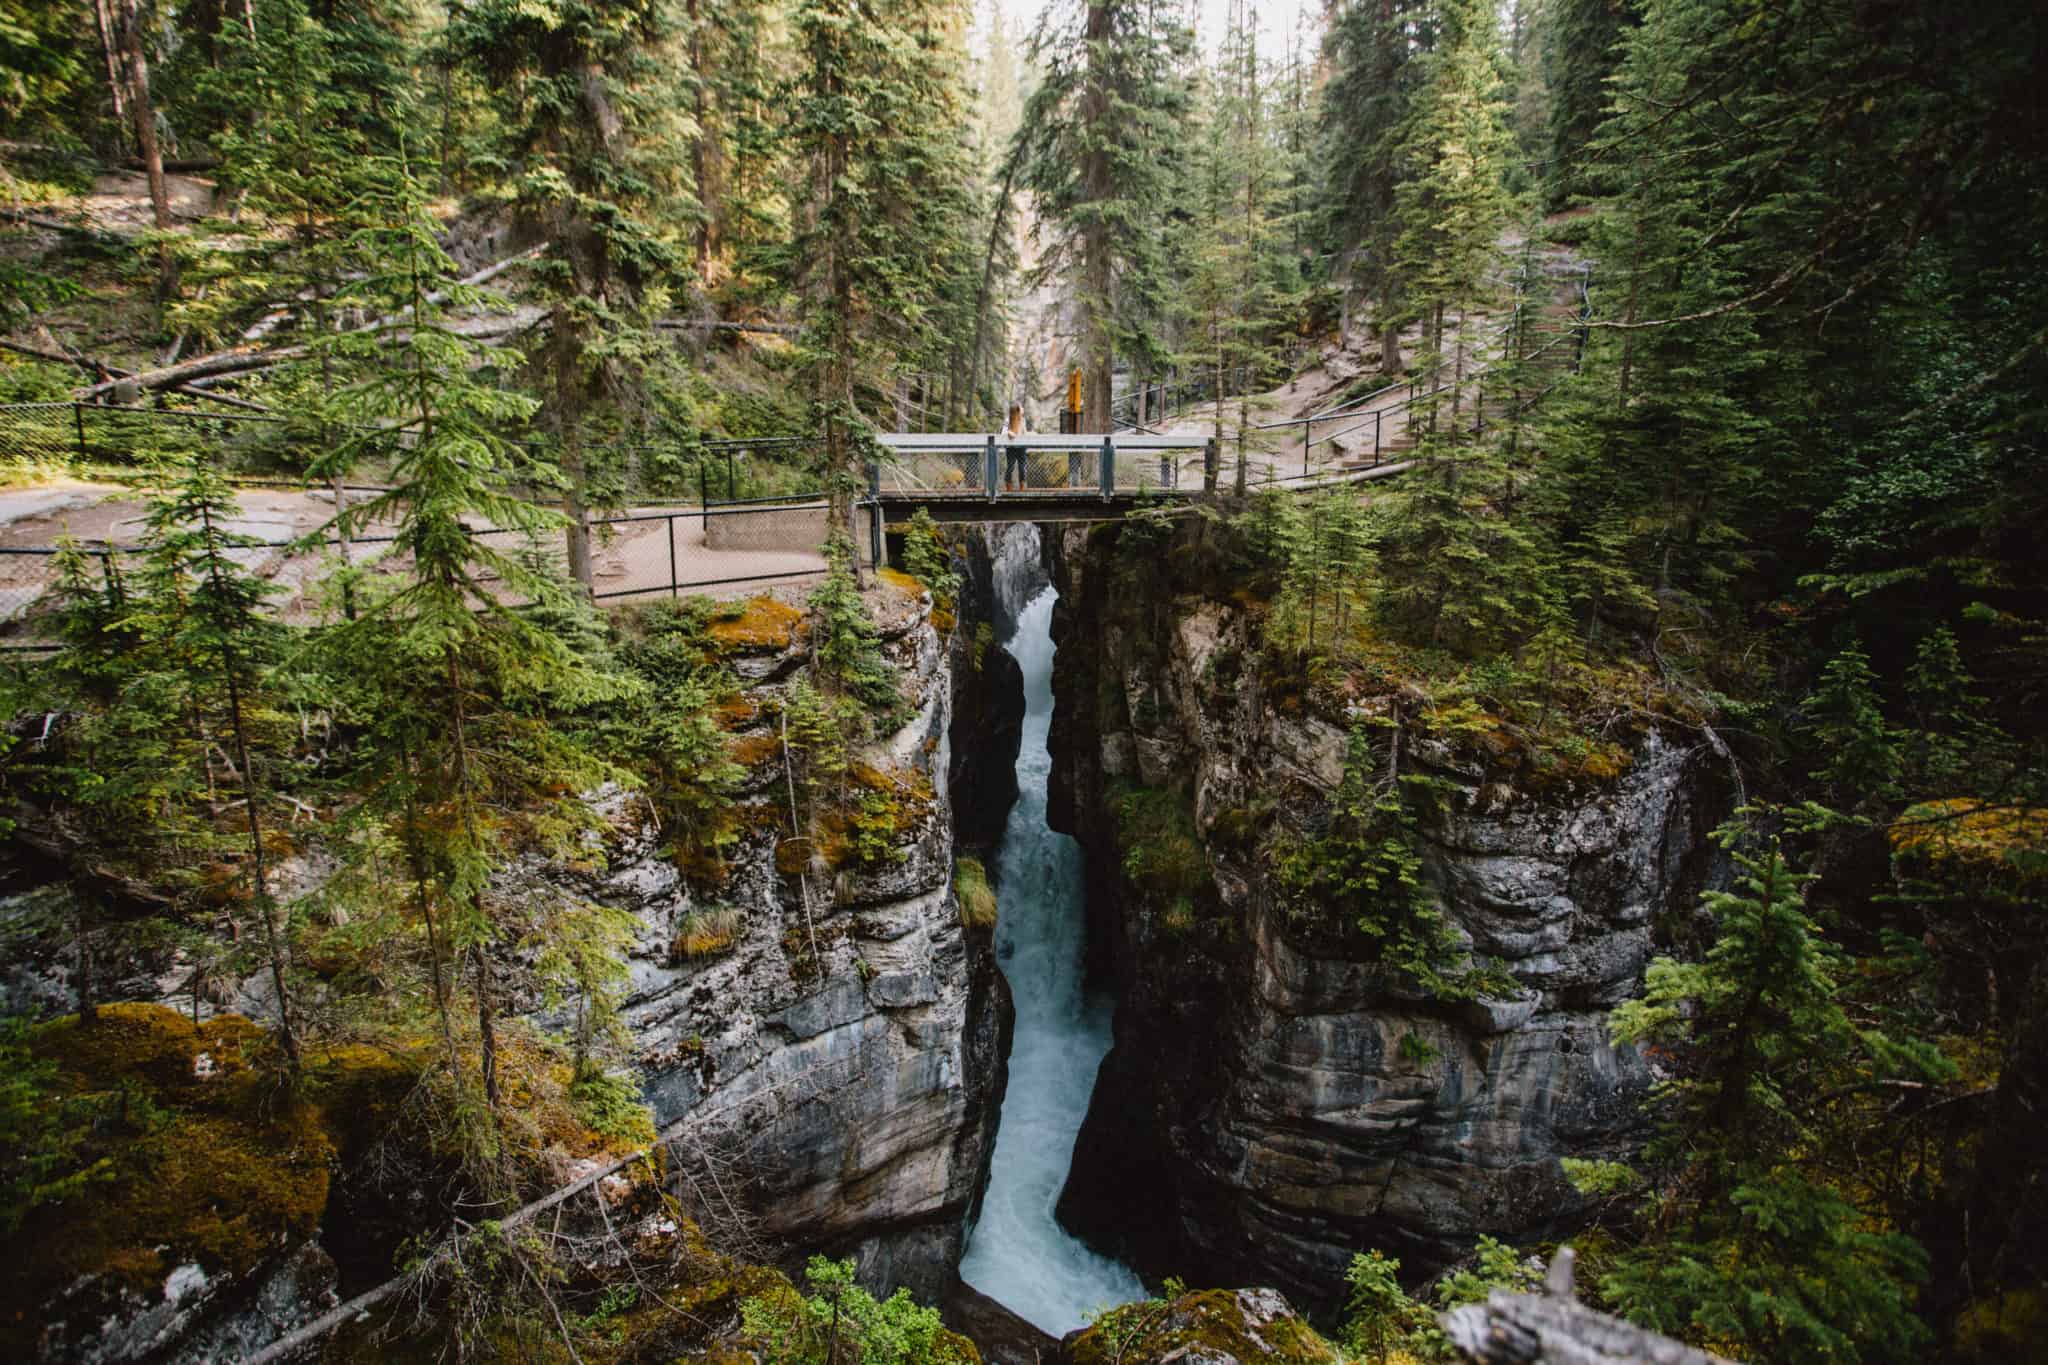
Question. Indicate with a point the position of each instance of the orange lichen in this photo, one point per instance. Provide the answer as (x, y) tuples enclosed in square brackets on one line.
[(761, 624), (750, 751), (902, 582), (736, 712)]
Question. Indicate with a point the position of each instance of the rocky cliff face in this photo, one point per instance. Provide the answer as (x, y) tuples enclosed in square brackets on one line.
[(1289, 1103), (835, 1070), (820, 1038)]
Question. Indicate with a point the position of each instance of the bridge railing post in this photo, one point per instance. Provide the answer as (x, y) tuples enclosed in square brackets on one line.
[(1212, 455), (1108, 465), (988, 462)]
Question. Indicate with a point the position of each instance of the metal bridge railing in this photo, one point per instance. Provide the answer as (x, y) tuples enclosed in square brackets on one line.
[(970, 465)]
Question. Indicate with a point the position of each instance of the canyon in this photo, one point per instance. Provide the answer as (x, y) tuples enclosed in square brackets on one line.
[(834, 1076)]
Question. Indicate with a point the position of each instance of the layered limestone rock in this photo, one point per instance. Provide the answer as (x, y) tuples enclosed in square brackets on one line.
[(821, 1033), (1288, 1100)]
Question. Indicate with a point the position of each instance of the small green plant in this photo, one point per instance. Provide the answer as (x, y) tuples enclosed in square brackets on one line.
[(977, 899), (839, 1321), (1163, 858), (40, 1135), (611, 1105), (600, 1325), (927, 558), (1367, 864), (1381, 1317), (1417, 1050), (846, 648), (872, 823)]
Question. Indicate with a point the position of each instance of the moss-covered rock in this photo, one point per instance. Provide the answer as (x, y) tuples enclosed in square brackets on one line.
[(209, 1170), (1203, 1327)]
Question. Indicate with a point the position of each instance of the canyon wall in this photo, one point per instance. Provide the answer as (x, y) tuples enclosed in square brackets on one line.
[(843, 1058), (1273, 1103)]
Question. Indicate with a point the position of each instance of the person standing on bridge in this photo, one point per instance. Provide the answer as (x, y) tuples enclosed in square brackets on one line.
[(1013, 456)]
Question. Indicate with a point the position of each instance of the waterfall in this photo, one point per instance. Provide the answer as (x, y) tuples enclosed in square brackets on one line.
[(1018, 1255)]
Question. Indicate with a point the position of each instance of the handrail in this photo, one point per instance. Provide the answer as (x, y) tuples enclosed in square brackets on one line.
[(1032, 440)]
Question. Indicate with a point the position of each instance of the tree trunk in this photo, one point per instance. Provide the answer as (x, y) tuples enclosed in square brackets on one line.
[(109, 48), (1390, 334), (486, 1027), (143, 116), (273, 941), (1097, 187), (702, 151)]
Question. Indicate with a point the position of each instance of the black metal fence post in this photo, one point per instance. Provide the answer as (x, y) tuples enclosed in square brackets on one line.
[(988, 462), (78, 420), (1108, 465), (675, 587)]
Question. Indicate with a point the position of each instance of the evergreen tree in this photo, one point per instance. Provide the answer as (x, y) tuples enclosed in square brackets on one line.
[(1581, 48), (1099, 137), (1752, 1242), (457, 686), (874, 110), (1371, 50), (206, 611), (597, 126)]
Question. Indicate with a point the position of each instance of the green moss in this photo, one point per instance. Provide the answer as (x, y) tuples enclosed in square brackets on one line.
[(211, 1160), (976, 897), (1209, 1321)]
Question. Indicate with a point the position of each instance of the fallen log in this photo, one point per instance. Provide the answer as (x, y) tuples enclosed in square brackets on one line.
[(86, 363), (272, 320), (1554, 1328)]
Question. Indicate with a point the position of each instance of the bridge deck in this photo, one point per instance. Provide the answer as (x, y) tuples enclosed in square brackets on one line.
[(977, 476)]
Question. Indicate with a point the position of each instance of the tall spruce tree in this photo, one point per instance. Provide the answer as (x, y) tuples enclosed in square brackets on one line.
[(1371, 50), (594, 106), (875, 107), (1099, 138), (1752, 1242), (456, 684)]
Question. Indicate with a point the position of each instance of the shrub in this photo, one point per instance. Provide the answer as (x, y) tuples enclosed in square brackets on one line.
[(927, 558)]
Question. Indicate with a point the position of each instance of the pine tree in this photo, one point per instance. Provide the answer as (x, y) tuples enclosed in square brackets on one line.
[(206, 611), (1860, 752), (1372, 50), (457, 686), (1750, 1240), (874, 109), (1581, 49), (593, 102), (1099, 148)]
